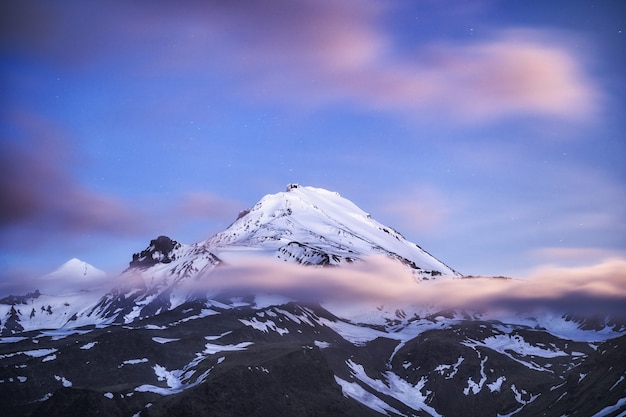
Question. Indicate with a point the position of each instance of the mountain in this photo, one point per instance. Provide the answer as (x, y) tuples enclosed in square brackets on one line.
[(73, 274), (303, 225), (175, 337), (60, 297), (313, 226)]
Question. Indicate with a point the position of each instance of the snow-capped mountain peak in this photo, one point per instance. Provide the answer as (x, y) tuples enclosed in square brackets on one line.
[(74, 274), (311, 225), (76, 267)]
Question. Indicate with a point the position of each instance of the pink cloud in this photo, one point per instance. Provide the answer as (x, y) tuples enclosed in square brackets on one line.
[(591, 289), (40, 194), (323, 52), (43, 200), (515, 72), (318, 53), (572, 255)]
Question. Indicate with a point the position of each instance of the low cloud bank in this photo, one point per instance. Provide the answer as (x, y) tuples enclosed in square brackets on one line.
[(595, 289)]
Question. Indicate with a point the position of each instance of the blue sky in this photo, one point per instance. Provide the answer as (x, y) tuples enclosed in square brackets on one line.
[(490, 133)]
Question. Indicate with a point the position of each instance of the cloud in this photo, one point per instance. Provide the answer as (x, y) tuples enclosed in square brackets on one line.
[(592, 289), (527, 72), (321, 53), (335, 54), (572, 255), (510, 73), (40, 195), (44, 200)]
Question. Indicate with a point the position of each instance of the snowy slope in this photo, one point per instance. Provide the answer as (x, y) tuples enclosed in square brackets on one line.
[(162, 284), (73, 275), (61, 299), (310, 225), (304, 225)]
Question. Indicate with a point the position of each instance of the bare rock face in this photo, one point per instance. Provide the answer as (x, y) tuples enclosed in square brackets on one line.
[(297, 382), (160, 251)]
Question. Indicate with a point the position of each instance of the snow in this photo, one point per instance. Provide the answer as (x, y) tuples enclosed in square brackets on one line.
[(216, 337), (88, 345), (442, 368), (205, 312), (476, 387), (211, 349), (45, 397), (49, 358), (503, 344), (54, 311), (558, 326), (109, 395), (357, 335), (516, 343), (259, 368), (268, 300), (178, 380), (396, 387), (321, 345), (496, 385), (38, 353), (64, 381), (71, 276), (320, 220), (136, 311), (62, 333), (12, 339), (519, 398), (293, 317), (133, 362), (618, 406), (264, 326), (164, 340), (171, 378), (358, 393), (621, 378)]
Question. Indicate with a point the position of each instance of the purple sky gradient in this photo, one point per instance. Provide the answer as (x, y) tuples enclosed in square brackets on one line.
[(490, 133)]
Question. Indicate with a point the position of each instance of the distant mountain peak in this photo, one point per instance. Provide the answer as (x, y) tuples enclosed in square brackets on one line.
[(75, 269), (74, 275)]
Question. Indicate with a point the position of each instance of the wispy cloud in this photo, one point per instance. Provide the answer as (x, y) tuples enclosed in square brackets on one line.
[(572, 256), (592, 289), (319, 53), (353, 59), (39, 190), (43, 200)]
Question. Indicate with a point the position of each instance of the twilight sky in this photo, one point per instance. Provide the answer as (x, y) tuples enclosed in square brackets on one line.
[(491, 133)]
